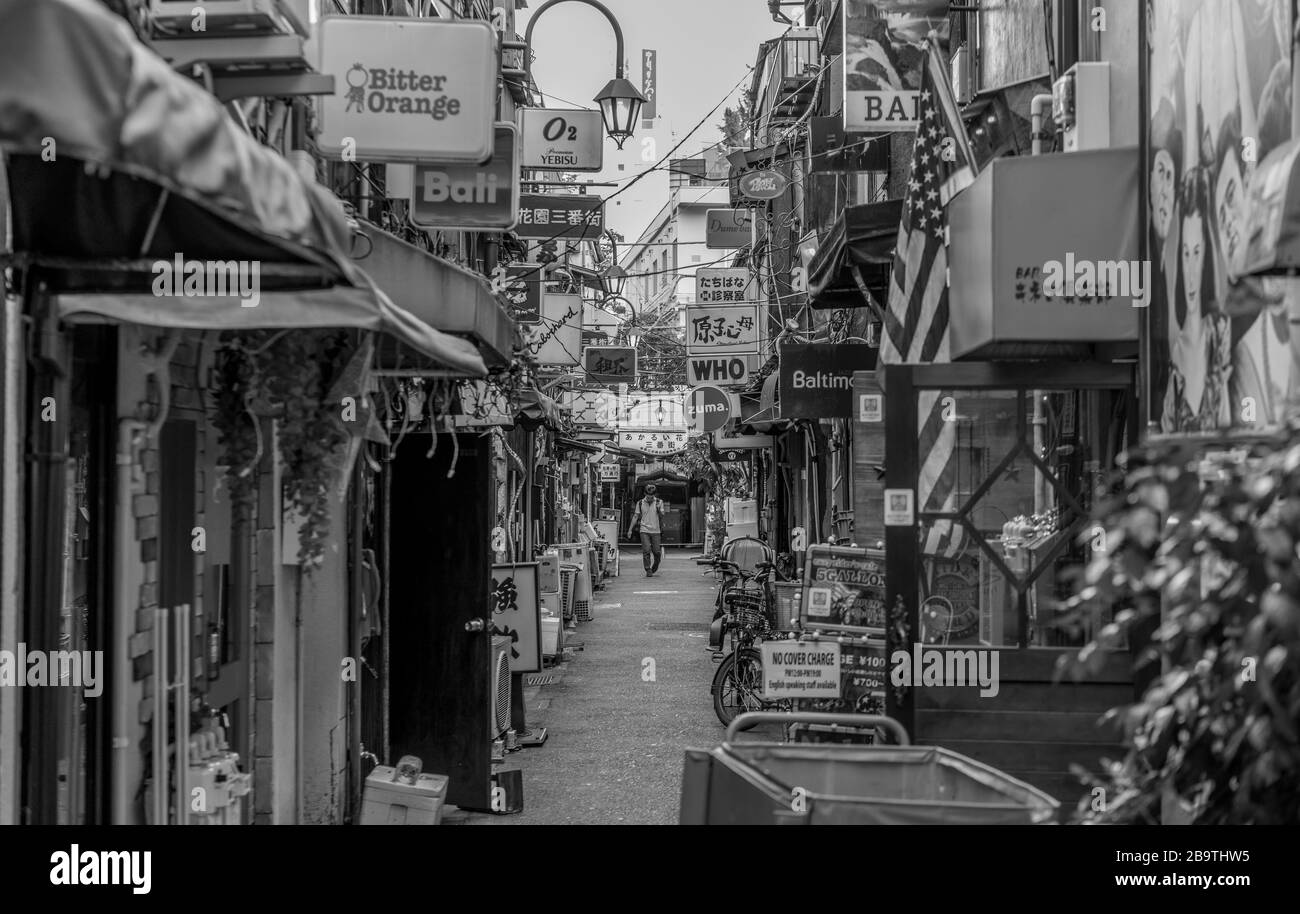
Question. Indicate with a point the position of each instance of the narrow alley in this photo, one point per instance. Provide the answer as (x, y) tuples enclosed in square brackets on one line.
[(621, 711)]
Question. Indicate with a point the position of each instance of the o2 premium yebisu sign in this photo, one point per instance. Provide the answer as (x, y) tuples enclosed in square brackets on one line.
[(408, 89)]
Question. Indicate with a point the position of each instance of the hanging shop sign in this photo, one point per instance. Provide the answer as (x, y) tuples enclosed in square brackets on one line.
[(649, 85), (609, 364), (409, 89), (801, 669), (471, 198), (557, 339), (884, 54), (817, 378), (597, 408), (763, 185), (562, 139), (517, 614), (520, 284), (718, 330), (609, 472), (844, 588), (728, 228), (724, 285), (724, 439), (707, 409), (661, 444), (729, 370), (552, 216)]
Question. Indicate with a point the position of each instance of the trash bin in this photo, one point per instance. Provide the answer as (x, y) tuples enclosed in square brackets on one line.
[(772, 783)]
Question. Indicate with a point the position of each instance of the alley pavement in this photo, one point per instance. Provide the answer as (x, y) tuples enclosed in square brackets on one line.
[(620, 712)]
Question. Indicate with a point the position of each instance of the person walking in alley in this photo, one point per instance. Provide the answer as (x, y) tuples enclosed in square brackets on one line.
[(649, 513)]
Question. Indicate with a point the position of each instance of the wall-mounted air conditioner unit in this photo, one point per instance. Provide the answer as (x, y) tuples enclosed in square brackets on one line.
[(1081, 106), (499, 687), (228, 18)]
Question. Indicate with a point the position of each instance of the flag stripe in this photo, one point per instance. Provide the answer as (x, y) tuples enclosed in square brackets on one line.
[(916, 316)]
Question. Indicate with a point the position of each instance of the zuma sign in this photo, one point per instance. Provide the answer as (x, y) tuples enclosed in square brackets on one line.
[(554, 139), (408, 89), (817, 378)]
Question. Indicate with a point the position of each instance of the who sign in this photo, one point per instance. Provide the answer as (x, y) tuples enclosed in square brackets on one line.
[(702, 370)]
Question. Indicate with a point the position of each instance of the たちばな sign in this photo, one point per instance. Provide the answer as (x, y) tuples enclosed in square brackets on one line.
[(408, 89)]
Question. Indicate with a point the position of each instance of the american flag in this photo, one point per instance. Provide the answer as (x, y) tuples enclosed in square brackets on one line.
[(916, 320)]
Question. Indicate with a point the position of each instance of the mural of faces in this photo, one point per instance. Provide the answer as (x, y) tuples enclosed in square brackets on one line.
[(1229, 210), (1163, 184)]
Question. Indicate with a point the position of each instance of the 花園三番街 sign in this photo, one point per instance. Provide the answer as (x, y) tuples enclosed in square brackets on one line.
[(408, 89), (723, 329), (550, 216)]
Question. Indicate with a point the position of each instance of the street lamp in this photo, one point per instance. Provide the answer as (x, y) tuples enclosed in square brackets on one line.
[(614, 281), (620, 102)]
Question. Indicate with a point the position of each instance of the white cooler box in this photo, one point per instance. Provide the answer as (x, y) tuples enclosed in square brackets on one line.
[(389, 800)]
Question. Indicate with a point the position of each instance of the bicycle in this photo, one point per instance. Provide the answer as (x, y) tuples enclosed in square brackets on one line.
[(746, 619)]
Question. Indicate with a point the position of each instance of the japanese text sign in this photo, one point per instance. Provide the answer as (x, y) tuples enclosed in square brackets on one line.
[(723, 329), (560, 216), (718, 286)]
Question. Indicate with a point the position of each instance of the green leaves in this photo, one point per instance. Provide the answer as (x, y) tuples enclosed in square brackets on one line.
[(1205, 546)]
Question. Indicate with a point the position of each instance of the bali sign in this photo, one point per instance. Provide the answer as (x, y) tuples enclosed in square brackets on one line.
[(409, 89), (884, 54), (471, 198)]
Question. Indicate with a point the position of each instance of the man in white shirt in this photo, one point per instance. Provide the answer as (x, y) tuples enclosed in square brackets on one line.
[(649, 513)]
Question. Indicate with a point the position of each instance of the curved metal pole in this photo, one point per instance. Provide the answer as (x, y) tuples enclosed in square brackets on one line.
[(532, 21)]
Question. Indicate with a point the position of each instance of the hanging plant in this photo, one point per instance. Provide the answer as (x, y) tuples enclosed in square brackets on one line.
[(286, 375)]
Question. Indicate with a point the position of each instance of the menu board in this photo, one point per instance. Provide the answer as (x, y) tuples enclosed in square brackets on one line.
[(844, 588), (864, 676)]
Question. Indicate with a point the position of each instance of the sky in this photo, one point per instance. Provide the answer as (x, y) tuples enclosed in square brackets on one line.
[(706, 49)]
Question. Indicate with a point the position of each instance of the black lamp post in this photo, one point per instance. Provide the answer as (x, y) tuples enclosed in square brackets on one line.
[(620, 102)]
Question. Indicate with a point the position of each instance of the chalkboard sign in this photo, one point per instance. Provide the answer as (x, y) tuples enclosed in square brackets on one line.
[(844, 588), (864, 676)]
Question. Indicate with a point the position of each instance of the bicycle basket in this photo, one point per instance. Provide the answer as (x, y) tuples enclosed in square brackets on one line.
[(746, 607)]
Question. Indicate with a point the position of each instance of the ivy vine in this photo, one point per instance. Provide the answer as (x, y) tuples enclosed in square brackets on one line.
[(285, 375)]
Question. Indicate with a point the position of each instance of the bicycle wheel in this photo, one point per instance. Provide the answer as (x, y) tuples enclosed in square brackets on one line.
[(737, 685)]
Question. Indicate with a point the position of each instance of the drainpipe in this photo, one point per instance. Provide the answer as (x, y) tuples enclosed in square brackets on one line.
[(1038, 107), (131, 431)]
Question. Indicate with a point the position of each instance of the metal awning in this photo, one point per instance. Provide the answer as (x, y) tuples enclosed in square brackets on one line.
[(862, 240), (117, 164), (447, 296)]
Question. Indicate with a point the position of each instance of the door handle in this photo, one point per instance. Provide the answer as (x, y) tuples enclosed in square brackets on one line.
[(475, 625)]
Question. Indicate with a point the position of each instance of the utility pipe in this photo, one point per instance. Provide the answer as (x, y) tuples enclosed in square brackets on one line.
[(1037, 108)]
